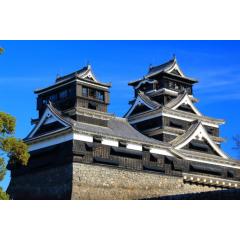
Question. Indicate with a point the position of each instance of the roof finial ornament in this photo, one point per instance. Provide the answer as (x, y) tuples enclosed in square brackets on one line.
[(174, 58), (58, 76), (88, 64), (150, 66)]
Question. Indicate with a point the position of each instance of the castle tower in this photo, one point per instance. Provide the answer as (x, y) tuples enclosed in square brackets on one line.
[(164, 105), (73, 92), (164, 146)]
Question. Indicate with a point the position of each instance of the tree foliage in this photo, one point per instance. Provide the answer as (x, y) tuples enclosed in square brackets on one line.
[(13, 150), (7, 123), (2, 168), (1, 50), (3, 195)]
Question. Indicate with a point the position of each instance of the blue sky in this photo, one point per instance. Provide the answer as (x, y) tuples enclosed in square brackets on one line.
[(28, 65)]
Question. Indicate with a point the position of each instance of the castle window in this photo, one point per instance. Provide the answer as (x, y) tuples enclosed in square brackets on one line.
[(176, 86), (63, 94), (100, 95), (84, 91), (92, 93), (171, 84)]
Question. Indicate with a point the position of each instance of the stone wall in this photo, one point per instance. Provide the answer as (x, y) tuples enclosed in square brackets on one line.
[(105, 182), (92, 181)]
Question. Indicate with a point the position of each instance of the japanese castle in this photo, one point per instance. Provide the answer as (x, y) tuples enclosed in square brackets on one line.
[(163, 146)]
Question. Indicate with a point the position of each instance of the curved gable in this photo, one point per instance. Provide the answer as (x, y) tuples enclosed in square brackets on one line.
[(183, 99), (50, 121), (88, 74), (197, 132), (142, 100)]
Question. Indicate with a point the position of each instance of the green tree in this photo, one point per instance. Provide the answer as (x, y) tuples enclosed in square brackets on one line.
[(13, 150), (1, 50)]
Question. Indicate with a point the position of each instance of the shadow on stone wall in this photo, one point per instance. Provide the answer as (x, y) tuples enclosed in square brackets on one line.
[(48, 175), (46, 184), (229, 194)]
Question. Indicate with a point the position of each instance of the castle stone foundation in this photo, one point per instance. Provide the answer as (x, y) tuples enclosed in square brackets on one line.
[(103, 182)]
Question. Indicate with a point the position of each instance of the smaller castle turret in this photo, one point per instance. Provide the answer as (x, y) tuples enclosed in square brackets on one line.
[(76, 90)]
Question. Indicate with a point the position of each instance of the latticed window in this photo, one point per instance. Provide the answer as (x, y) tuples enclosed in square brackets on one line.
[(176, 86), (92, 93), (171, 84), (100, 95), (84, 91)]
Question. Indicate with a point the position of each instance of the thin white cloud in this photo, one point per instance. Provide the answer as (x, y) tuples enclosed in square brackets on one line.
[(219, 84)]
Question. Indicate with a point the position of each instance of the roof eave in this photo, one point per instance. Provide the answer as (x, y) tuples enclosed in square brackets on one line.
[(181, 77), (46, 135), (93, 82), (135, 82), (39, 91)]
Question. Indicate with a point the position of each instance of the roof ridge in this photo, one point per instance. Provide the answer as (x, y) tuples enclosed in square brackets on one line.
[(171, 61), (65, 77)]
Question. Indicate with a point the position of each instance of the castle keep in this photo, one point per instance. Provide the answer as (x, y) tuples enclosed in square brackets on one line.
[(164, 146)]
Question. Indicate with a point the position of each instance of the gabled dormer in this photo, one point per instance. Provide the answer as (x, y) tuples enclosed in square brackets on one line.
[(142, 103), (197, 139), (183, 103), (51, 122)]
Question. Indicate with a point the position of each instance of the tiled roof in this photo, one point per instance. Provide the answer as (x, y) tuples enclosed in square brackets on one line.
[(181, 138), (73, 74), (84, 73), (176, 100), (117, 128), (207, 157), (161, 67), (148, 100), (171, 67)]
